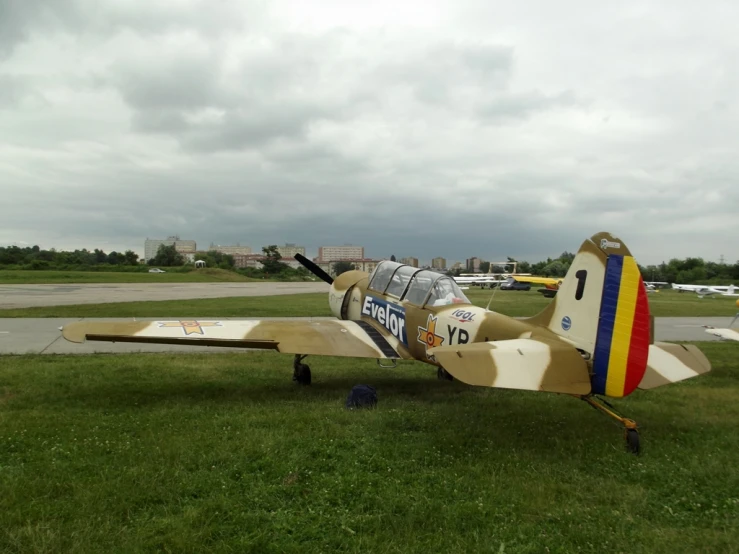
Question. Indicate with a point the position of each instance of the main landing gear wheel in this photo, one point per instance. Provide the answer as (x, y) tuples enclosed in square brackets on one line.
[(301, 371), (631, 432), (443, 375)]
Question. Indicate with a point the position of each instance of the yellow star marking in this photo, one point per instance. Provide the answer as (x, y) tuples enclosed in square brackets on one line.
[(191, 326), (428, 335)]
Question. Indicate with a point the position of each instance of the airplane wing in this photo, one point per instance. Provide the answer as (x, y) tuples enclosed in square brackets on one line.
[(527, 364), (355, 339), (669, 363), (478, 280), (729, 334)]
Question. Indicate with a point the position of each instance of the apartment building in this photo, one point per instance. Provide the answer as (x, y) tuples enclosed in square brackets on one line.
[(182, 246), (335, 253), (234, 249), (438, 263), (290, 249)]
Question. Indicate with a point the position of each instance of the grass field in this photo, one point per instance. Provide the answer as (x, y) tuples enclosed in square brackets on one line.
[(223, 453), (512, 303), (206, 275)]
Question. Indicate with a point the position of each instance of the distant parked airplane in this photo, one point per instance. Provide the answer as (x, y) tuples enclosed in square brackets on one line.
[(705, 290)]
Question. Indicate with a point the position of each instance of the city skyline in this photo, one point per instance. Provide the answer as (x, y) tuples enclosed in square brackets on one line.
[(313, 253)]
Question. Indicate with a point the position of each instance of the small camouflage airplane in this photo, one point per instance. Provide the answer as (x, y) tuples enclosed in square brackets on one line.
[(594, 338)]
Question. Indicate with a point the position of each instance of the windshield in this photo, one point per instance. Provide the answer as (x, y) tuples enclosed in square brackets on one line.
[(438, 286), (400, 279), (446, 291), (382, 275)]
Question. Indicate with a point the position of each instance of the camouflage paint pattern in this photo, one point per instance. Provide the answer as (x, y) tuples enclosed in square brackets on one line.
[(728, 334)]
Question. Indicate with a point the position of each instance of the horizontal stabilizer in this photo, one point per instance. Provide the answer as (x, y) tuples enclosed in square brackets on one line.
[(670, 363), (354, 339), (729, 334), (527, 364)]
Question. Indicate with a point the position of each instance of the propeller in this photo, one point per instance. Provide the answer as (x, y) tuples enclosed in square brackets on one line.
[(314, 269)]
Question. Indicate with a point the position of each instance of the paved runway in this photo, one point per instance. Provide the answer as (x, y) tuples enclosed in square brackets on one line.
[(42, 335), (27, 296)]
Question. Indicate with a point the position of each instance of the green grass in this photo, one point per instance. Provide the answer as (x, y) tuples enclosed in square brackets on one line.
[(512, 303), (223, 453), (206, 275)]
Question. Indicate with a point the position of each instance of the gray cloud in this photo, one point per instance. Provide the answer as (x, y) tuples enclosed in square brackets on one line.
[(514, 132)]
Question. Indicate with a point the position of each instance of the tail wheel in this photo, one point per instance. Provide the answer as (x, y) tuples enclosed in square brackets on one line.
[(632, 441)]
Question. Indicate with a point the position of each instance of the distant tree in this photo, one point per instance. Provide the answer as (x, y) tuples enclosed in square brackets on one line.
[(213, 258), (167, 256), (272, 263), (392, 258), (100, 256), (484, 267), (566, 257), (131, 257), (554, 269), (523, 267), (342, 267)]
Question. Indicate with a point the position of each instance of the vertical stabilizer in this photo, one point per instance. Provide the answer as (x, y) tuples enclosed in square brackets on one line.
[(602, 309)]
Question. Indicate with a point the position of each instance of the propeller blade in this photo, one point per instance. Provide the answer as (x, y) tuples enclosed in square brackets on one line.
[(314, 269)]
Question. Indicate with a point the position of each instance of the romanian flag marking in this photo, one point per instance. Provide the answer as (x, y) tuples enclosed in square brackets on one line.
[(622, 346)]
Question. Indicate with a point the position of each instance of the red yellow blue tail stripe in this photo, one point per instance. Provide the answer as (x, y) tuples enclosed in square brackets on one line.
[(622, 344)]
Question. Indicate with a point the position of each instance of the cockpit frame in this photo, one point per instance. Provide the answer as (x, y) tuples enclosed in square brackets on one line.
[(399, 281)]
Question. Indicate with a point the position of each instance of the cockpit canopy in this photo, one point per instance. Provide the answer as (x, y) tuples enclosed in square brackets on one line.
[(417, 286)]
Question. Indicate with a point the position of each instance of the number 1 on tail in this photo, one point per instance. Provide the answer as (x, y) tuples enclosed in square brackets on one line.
[(581, 276)]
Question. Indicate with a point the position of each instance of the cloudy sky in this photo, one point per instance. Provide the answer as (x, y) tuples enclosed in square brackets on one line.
[(453, 128)]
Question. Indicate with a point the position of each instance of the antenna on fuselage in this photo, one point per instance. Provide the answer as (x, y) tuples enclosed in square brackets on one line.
[(487, 308), (497, 286)]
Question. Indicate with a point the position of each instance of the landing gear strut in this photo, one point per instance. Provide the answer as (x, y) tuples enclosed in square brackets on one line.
[(631, 433), (301, 371)]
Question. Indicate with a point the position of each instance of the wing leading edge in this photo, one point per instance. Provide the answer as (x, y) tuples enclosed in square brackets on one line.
[(320, 338)]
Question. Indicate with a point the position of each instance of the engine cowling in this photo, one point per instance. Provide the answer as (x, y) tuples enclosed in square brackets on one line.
[(343, 287)]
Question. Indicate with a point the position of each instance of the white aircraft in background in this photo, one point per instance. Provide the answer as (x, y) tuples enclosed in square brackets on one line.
[(705, 290), (485, 281)]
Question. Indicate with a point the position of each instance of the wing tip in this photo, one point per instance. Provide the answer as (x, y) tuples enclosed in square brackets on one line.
[(74, 332)]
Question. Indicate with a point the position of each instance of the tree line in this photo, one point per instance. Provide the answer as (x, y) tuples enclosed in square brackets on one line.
[(36, 258), (689, 270), (33, 257)]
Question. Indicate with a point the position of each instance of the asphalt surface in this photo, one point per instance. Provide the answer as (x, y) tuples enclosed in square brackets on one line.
[(28, 296), (42, 335)]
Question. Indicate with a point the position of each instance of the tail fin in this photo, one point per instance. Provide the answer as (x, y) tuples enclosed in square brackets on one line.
[(601, 308)]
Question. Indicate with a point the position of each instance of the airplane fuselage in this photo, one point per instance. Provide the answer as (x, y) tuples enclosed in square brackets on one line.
[(412, 329)]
